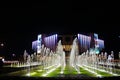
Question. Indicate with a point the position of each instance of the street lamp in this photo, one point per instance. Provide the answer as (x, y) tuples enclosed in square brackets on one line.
[(1, 44)]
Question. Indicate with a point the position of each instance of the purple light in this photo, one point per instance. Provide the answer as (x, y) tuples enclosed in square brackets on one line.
[(56, 35), (48, 42), (78, 36), (51, 41), (85, 42), (101, 43), (34, 45)]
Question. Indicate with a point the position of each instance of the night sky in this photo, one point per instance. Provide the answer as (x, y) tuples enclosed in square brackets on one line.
[(21, 25)]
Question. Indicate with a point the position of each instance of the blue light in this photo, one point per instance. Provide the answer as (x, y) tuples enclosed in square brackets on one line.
[(56, 35), (78, 35), (97, 51)]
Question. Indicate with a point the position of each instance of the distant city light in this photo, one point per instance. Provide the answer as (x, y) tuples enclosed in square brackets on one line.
[(3, 59), (2, 44)]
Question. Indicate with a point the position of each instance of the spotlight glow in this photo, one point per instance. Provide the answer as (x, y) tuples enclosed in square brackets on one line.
[(61, 72), (56, 35), (101, 70), (98, 75), (49, 67), (50, 71), (3, 59), (33, 73), (28, 74), (39, 70)]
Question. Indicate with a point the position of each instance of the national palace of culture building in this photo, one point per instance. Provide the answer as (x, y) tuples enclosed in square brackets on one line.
[(85, 42)]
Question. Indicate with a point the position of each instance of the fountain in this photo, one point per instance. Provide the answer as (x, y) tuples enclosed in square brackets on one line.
[(109, 63), (47, 52), (105, 63), (89, 60), (62, 56), (25, 55), (74, 55), (47, 61), (28, 63), (21, 63)]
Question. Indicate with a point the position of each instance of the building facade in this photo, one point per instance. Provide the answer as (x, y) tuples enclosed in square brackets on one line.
[(85, 42)]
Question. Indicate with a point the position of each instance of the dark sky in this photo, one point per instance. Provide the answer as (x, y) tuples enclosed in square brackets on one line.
[(20, 25)]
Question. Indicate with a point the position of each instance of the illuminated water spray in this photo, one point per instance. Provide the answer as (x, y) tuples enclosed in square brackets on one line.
[(74, 55), (62, 56)]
